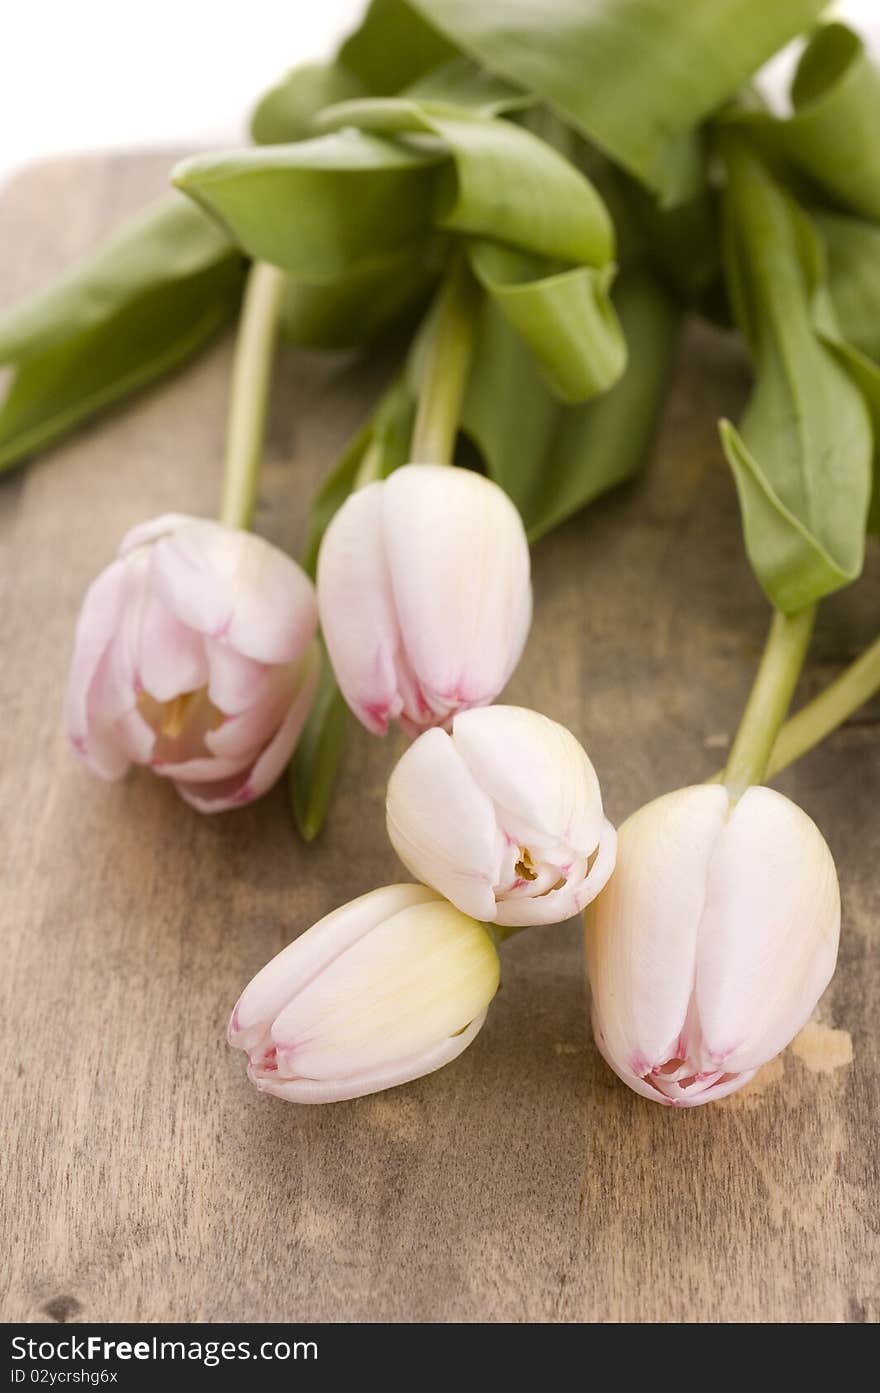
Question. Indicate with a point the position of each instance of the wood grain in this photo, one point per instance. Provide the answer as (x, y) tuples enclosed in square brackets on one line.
[(145, 1179)]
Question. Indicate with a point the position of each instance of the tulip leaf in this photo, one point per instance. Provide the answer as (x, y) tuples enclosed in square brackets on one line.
[(633, 76), (312, 771), (554, 459), (320, 207), (463, 83), (802, 457), (285, 112), (852, 248), (145, 302), (503, 182), (362, 303), (394, 46), (391, 49), (564, 316), (354, 217), (832, 134)]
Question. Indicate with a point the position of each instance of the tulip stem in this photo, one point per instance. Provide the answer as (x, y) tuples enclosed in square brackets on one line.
[(815, 721), (769, 699), (446, 355), (249, 396)]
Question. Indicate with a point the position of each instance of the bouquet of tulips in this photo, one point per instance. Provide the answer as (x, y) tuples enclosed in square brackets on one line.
[(525, 200)]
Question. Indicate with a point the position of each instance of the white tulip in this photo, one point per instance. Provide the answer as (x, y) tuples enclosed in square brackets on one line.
[(503, 817), (713, 941), (424, 596), (389, 987)]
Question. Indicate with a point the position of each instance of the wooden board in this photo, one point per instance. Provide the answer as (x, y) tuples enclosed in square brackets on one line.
[(145, 1179)]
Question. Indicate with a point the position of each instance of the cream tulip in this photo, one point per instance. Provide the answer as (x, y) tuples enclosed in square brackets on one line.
[(389, 987), (503, 816), (424, 595), (712, 942)]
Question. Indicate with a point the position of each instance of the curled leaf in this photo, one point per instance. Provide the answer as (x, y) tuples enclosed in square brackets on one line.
[(832, 134), (564, 316)]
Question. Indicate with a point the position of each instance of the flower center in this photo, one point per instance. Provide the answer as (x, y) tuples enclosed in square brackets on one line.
[(180, 724), (528, 877)]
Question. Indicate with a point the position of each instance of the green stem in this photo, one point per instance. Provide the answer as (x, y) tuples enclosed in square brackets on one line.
[(769, 700), (249, 396), (447, 353), (815, 721)]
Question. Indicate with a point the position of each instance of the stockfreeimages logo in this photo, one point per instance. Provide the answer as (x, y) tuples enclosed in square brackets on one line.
[(92, 1349)]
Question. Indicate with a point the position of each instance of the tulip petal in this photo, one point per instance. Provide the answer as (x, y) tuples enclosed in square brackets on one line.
[(769, 931), (357, 609), (144, 534), (420, 976), (230, 584), (442, 825), (270, 762), (97, 623), (641, 932), (171, 658), (250, 730), (372, 1080), (235, 682), (459, 565), (299, 963), (539, 777)]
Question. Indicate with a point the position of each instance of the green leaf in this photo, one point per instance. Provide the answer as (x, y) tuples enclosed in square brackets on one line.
[(501, 182), (142, 304), (802, 457), (633, 76), (565, 317), (354, 213), (321, 207), (553, 459), (853, 256), (833, 135), (312, 772), (463, 83), (285, 112), (363, 303), (393, 47)]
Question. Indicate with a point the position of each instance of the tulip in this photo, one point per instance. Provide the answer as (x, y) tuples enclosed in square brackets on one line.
[(712, 942), (503, 816), (424, 595), (194, 655), (389, 987)]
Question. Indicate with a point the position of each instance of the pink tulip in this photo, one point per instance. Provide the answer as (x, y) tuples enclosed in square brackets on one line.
[(424, 594), (712, 942), (389, 987), (195, 656)]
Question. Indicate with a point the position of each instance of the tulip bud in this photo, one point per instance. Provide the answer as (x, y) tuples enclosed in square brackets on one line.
[(712, 942), (424, 594), (194, 655), (389, 987), (503, 817)]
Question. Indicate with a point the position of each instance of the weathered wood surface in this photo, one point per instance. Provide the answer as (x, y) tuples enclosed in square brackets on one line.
[(145, 1179)]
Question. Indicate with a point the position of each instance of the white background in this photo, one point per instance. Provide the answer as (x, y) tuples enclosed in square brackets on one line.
[(92, 74)]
